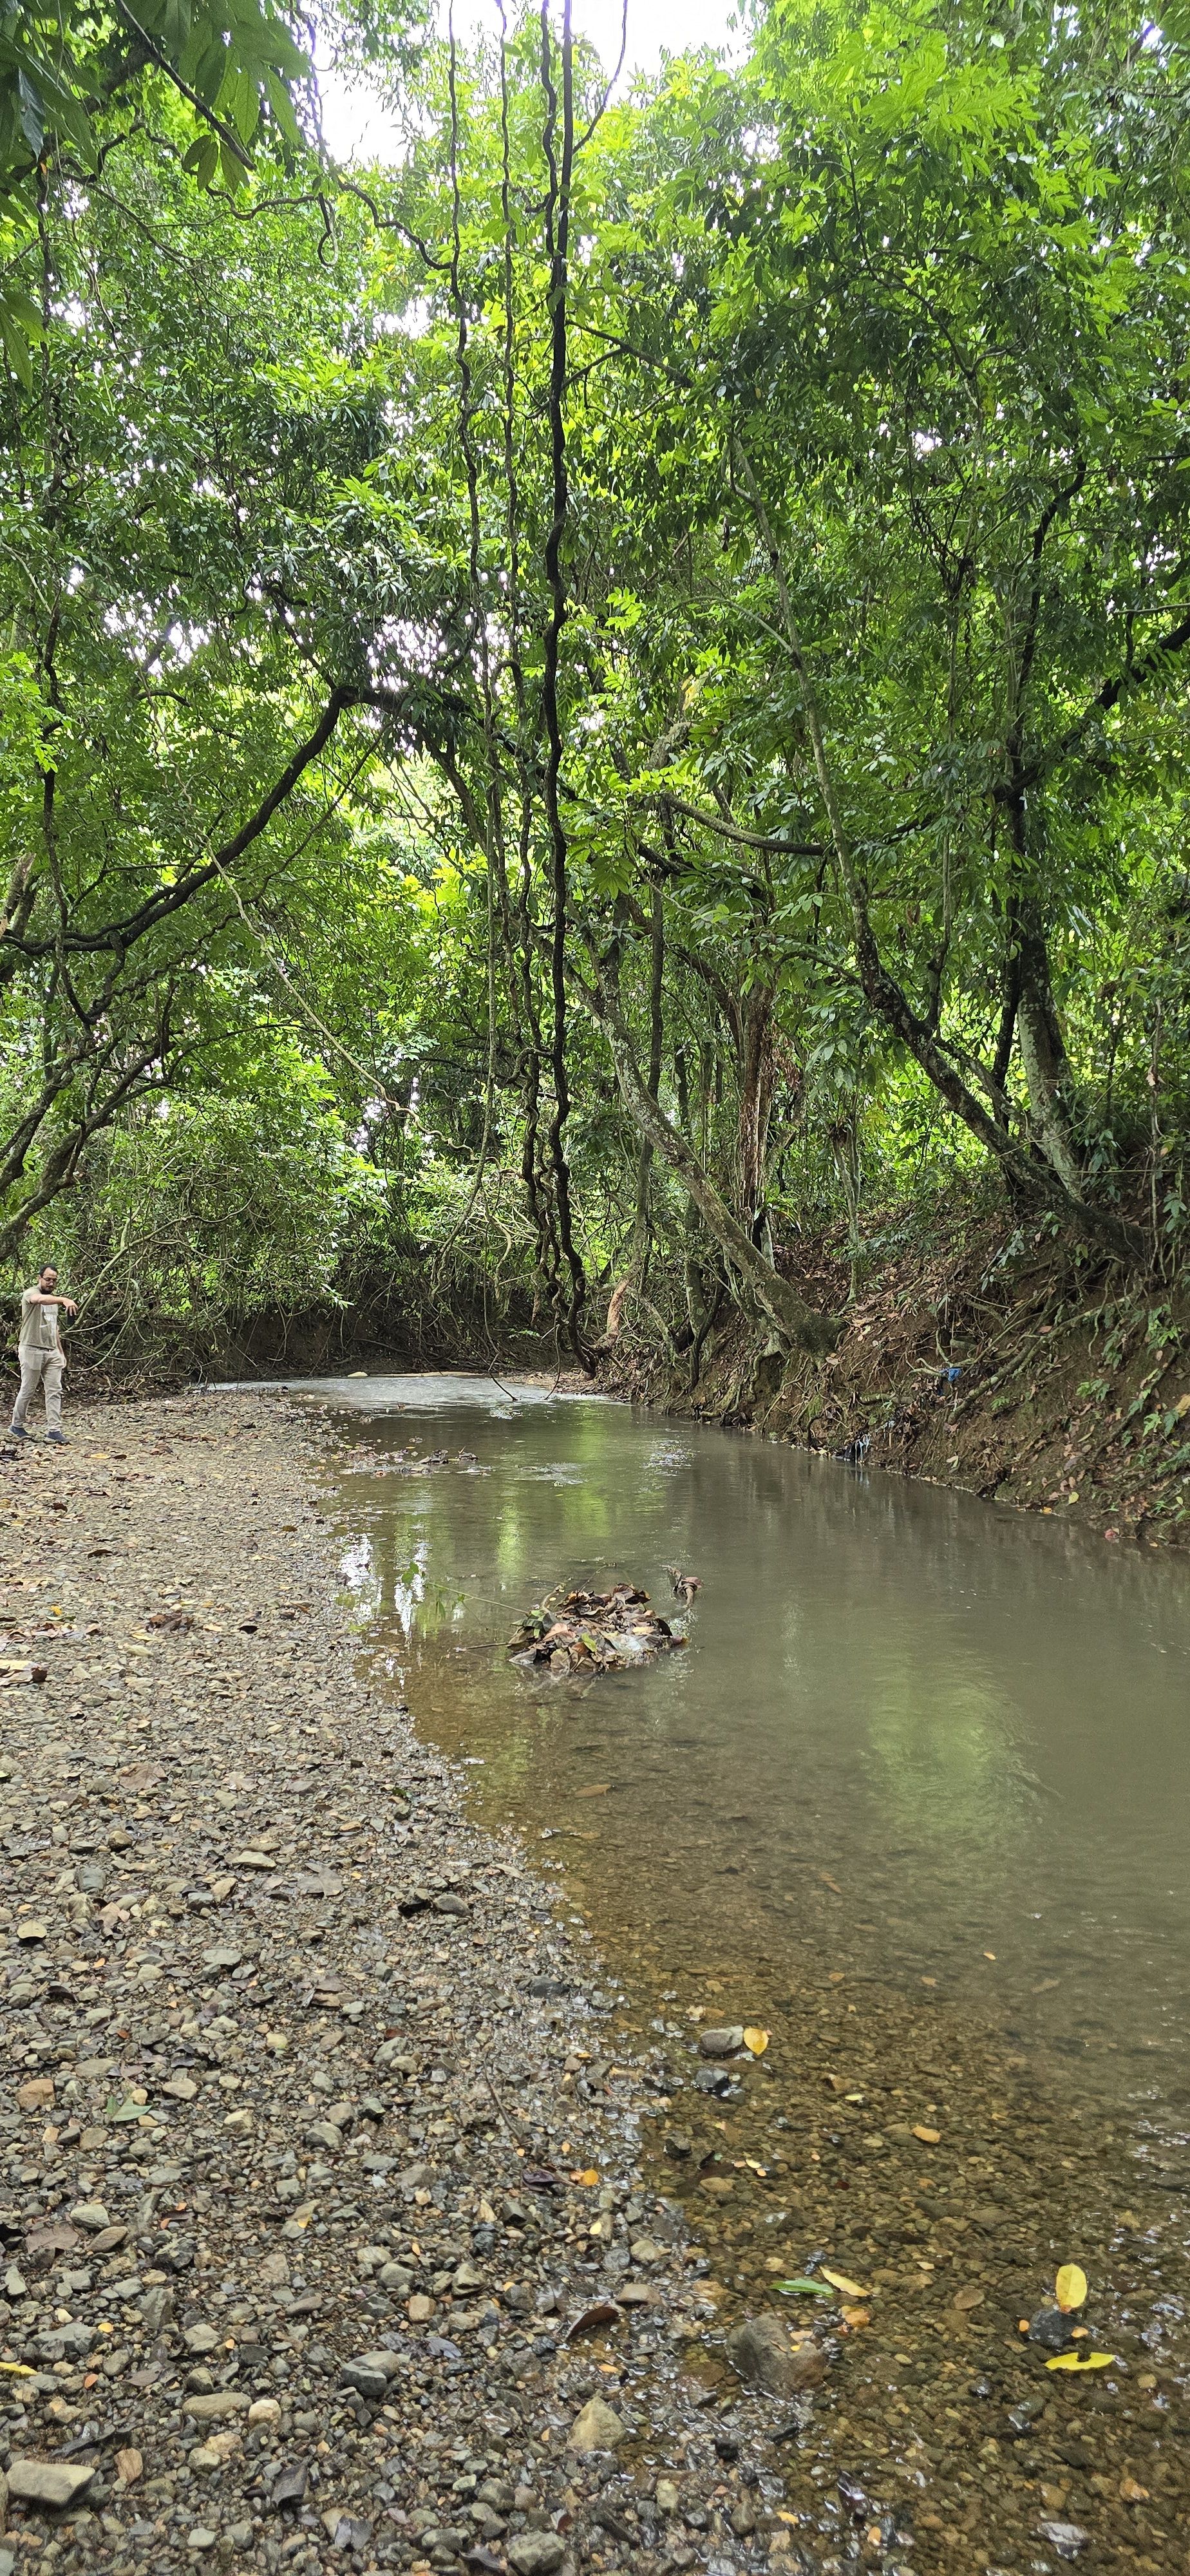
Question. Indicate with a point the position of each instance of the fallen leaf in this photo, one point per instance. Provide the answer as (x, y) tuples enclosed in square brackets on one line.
[(589, 2177), (1081, 2361), (18, 2369), (1070, 2288), (970, 2296), (599, 1790), (855, 2317), (839, 2281), (929, 2137), (803, 2287), (756, 2042)]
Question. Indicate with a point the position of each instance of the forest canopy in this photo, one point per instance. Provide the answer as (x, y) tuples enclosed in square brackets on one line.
[(606, 698)]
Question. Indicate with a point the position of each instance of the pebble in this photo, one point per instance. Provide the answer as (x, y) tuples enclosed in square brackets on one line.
[(536, 2553), (723, 2041), (597, 2428), (50, 2482), (760, 2349)]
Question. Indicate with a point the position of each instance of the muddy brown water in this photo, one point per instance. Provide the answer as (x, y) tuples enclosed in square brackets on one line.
[(915, 1797)]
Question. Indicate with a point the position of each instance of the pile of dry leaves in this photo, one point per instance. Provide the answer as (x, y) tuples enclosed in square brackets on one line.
[(593, 1631)]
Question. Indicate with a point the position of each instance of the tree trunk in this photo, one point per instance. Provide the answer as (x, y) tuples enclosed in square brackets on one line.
[(757, 1077), (798, 1325)]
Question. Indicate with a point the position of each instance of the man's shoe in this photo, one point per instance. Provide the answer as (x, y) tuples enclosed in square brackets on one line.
[(17, 1431), (58, 1438)]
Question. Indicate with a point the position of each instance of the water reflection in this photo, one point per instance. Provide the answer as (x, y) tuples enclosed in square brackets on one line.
[(912, 1739)]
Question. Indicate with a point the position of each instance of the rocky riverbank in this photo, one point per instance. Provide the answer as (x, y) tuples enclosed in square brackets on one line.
[(351, 2220), (324, 2241)]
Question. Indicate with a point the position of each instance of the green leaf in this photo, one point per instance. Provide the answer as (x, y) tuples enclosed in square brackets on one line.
[(803, 2288), (32, 113), (203, 158)]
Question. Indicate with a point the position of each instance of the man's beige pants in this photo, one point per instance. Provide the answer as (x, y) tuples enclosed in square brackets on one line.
[(42, 1368)]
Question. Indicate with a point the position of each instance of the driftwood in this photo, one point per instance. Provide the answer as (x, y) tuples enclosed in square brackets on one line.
[(593, 1632)]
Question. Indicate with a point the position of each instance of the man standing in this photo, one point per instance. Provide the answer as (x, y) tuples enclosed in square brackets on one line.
[(41, 1354)]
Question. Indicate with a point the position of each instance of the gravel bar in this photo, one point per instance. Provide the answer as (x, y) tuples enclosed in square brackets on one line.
[(323, 2238)]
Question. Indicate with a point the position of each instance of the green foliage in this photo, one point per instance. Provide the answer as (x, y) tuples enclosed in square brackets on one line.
[(863, 616)]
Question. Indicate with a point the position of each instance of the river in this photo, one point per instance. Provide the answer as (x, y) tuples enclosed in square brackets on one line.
[(912, 1738), (912, 1803)]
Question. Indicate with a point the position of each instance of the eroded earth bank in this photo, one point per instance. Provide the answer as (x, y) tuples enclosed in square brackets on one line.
[(354, 2215)]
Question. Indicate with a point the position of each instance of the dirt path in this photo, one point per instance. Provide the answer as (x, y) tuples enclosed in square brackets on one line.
[(310, 2149)]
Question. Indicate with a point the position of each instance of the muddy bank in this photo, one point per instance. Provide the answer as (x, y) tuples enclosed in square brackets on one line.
[(974, 1356)]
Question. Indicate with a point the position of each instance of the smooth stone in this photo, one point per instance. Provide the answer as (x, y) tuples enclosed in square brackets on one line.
[(264, 2410), (370, 2372), (198, 2539), (90, 2215), (761, 2352), (221, 2401), (665, 2496), (536, 2553), (598, 2428), (32, 1932), (1068, 2538), (202, 2338), (722, 2041), (52, 2482)]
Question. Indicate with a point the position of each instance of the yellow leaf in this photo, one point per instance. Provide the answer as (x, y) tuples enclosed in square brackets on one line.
[(1081, 2361), (854, 2317), (929, 2137), (588, 2177), (18, 2369), (1071, 2286), (838, 2281), (756, 2041)]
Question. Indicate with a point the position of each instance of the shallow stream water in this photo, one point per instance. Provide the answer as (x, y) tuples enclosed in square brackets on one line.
[(914, 1800), (911, 1739)]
